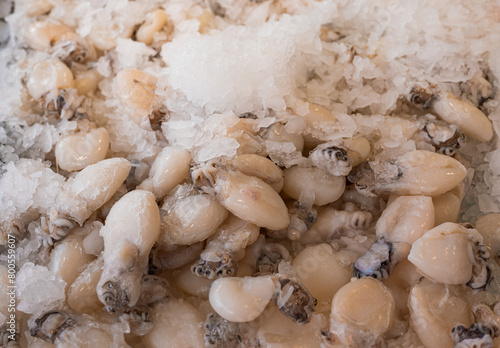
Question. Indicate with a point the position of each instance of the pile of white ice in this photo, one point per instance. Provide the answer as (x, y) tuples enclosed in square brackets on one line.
[(243, 69)]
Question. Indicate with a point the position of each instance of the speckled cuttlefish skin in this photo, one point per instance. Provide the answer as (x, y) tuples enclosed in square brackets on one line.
[(249, 173)]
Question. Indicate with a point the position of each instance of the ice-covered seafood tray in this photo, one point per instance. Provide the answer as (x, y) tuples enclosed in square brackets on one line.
[(249, 173)]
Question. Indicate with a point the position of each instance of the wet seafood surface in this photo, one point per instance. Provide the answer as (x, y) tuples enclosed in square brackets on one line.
[(243, 173)]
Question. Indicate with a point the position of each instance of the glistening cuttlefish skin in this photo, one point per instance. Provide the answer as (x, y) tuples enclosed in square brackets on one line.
[(294, 301), (405, 219), (489, 227), (82, 195), (241, 299), (332, 223), (477, 89), (260, 167), (67, 105), (377, 262), (169, 168), (472, 121), (339, 157), (418, 172), (226, 266), (47, 78), (65, 329), (188, 216), (268, 257), (435, 309), (475, 336), (445, 138), (452, 254), (164, 256), (263, 258), (312, 186), (301, 220), (92, 187), (153, 290), (218, 259), (155, 22), (77, 151), (362, 311), (302, 217), (244, 299), (131, 229), (447, 206), (57, 38), (220, 332), (51, 82), (277, 132), (482, 332), (136, 91), (291, 297), (322, 270), (247, 197)]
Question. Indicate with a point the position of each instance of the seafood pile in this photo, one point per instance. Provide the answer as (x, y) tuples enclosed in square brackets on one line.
[(237, 173)]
